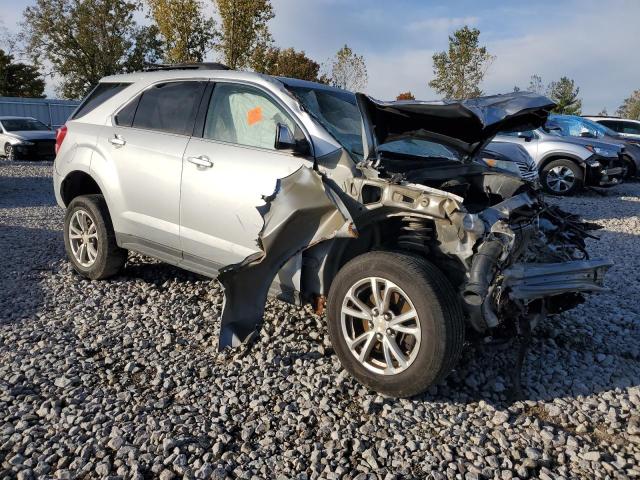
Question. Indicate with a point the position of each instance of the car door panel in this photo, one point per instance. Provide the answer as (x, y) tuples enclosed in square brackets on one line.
[(219, 221)]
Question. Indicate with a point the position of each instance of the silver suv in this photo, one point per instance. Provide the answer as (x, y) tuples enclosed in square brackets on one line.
[(378, 212), (567, 163)]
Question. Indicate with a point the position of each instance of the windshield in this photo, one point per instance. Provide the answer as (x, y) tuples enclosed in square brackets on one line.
[(338, 112), (23, 124), (570, 126), (419, 148)]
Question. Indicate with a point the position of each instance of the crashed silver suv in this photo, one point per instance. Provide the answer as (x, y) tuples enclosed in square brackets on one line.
[(379, 213)]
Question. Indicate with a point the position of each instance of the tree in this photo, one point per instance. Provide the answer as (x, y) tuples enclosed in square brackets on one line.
[(188, 35), (405, 96), (603, 112), (630, 107), (19, 79), (536, 85), (85, 40), (565, 94), (244, 29), (348, 70), (460, 70), (285, 63)]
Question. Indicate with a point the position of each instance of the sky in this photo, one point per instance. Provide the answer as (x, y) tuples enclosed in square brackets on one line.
[(591, 41)]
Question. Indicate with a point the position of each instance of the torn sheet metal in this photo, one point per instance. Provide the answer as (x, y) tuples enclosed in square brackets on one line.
[(303, 210)]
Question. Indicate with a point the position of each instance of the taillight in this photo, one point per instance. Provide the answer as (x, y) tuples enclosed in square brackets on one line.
[(60, 134)]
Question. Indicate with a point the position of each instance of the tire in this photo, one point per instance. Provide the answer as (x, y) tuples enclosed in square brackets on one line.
[(9, 152), (557, 173), (439, 317), (631, 167), (108, 259)]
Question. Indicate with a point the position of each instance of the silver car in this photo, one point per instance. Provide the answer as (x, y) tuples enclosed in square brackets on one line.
[(566, 164), (26, 138), (378, 213)]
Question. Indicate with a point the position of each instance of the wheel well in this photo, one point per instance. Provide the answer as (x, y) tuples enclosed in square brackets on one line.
[(551, 158), (78, 183), (631, 166)]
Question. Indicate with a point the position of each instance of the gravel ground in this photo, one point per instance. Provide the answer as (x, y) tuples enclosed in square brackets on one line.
[(121, 378)]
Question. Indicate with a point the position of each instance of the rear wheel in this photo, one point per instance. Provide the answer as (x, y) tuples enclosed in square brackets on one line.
[(562, 177), (395, 322), (89, 238)]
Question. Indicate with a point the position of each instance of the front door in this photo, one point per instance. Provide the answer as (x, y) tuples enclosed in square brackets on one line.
[(228, 170)]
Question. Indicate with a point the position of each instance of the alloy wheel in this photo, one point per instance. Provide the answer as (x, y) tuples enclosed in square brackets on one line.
[(560, 179), (83, 238), (380, 326)]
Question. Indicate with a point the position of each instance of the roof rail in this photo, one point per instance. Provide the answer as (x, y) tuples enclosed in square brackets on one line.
[(154, 67)]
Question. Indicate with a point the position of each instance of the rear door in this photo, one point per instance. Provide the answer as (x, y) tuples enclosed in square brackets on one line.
[(228, 168), (146, 144)]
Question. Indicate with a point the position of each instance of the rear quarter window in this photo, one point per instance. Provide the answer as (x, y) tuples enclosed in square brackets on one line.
[(100, 94)]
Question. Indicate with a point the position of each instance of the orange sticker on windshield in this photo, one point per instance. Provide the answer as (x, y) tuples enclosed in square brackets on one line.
[(254, 115)]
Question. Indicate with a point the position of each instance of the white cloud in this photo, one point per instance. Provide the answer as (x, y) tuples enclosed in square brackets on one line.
[(440, 24)]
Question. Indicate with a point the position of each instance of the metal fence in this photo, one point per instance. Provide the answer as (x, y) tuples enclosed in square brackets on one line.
[(48, 110)]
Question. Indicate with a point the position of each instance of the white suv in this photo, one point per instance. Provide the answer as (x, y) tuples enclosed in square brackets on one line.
[(318, 195)]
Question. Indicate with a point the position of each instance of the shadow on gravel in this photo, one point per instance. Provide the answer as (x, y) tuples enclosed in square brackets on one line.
[(20, 192), (27, 255)]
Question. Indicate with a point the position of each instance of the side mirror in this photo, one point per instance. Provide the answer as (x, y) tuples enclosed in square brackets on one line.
[(285, 140), (526, 136)]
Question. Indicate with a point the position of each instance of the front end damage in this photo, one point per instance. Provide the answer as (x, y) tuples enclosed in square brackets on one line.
[(512, 257)]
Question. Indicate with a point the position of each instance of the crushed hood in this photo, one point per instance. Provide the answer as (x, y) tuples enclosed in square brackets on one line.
[(465, 126)]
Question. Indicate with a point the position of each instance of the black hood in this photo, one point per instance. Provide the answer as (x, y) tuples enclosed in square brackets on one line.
[(465, 126)]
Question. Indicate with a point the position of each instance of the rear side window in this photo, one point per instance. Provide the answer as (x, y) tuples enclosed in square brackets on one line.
[(169, 107), (631, 127), (613, 125), (99, 95), (124, 118)]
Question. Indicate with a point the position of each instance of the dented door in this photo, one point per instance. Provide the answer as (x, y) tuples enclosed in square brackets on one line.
[(228, 170)]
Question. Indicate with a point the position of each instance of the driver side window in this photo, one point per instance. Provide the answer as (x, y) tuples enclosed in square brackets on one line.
[(245, 116)]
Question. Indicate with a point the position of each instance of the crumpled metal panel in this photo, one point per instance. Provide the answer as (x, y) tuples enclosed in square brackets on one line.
[(303, 210)]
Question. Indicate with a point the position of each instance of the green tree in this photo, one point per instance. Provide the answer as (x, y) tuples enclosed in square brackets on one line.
[(244, 30), (285, 63), (630, 107), (405, 96), (187, 33), (19, 79), (565, 93), (460, 70), (85, 40), (348, 70)]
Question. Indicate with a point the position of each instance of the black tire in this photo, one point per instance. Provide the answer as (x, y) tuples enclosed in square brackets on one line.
[(9, 152), (110, 258), (440, 317), (631, 167), (546, 177)]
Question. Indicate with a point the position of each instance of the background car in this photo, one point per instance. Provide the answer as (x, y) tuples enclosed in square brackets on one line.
[(574, 126), (512, 157), (567, 163), (26, 138), (625, 127)]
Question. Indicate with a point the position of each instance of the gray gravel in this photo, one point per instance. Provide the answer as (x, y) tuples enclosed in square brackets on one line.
[(122, 378)]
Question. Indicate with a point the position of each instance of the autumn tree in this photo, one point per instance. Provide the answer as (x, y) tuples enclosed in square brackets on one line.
[(564, 93), (186, 32), (405, 96), (630, 107), (84, 41), (19, 79), (460, 70), (285, 63), (348, 70), (244, 30)]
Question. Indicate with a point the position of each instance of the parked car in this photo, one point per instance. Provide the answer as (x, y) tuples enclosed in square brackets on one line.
[(283, 187), (625, 127), (566, 163), (574, 126), (26, 138)]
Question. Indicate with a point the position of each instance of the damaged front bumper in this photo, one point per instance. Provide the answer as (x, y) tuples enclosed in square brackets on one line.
[(529, 281)]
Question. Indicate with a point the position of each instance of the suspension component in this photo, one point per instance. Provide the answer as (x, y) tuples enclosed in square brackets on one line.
[(416, 233)]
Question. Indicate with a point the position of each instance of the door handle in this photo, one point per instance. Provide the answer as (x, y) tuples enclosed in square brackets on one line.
[(117, 140), (201, 161)]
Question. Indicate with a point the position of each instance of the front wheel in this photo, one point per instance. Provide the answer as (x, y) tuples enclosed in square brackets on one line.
[(395, 322), (9, 152), (562, 177)]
